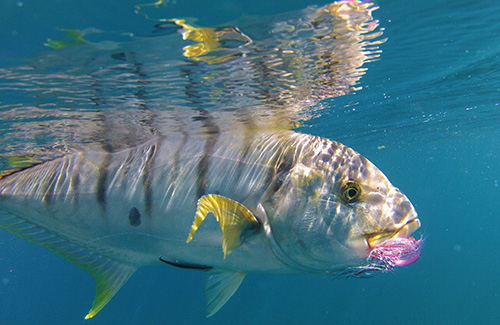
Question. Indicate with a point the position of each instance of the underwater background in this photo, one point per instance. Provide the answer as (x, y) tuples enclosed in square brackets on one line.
[(428, 115)]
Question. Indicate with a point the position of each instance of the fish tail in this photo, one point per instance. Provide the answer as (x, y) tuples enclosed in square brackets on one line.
[(109, 275)]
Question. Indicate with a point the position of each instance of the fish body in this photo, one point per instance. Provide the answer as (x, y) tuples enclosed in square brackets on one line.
[(284, 202)]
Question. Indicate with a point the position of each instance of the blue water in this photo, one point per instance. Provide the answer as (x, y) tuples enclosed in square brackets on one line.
[(428, 116)]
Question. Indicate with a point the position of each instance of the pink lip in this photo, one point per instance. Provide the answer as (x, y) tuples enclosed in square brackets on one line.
[(397, 251)]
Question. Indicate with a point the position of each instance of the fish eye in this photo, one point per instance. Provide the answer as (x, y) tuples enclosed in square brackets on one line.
[(350, 192)]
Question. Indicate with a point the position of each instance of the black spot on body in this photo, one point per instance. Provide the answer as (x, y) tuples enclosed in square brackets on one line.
[(134, 217)]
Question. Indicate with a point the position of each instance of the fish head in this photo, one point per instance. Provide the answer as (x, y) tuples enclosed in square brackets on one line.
[(332, 208)]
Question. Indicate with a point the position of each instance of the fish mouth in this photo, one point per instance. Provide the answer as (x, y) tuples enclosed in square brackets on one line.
[(406, 230)]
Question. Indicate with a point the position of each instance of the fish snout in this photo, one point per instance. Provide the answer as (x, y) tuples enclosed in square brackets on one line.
[(402, 211), (404, 215), (401, 220)]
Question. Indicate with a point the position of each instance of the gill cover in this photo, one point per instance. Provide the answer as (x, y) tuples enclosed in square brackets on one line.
[(328, 207), (298, 226)]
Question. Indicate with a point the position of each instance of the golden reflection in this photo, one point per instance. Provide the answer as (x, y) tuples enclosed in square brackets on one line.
[(72, 37), (255, 73), (210, 40)]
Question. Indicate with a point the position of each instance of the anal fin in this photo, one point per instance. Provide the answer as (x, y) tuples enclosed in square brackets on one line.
[(221, 285), (233, 217)]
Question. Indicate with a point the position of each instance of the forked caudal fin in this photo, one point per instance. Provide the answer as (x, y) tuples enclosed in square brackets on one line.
[(109, 275)]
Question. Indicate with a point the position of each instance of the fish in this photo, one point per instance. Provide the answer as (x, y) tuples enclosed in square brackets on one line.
[(227, 203)]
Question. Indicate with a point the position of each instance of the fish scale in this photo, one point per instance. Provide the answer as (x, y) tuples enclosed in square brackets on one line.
[(276, 197)]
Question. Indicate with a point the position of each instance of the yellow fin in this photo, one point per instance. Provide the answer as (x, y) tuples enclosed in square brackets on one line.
[(233, 218), (109, 275), (109, 278)]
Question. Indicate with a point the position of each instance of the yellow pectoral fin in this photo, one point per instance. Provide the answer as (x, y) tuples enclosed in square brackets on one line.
[(234, 219)]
